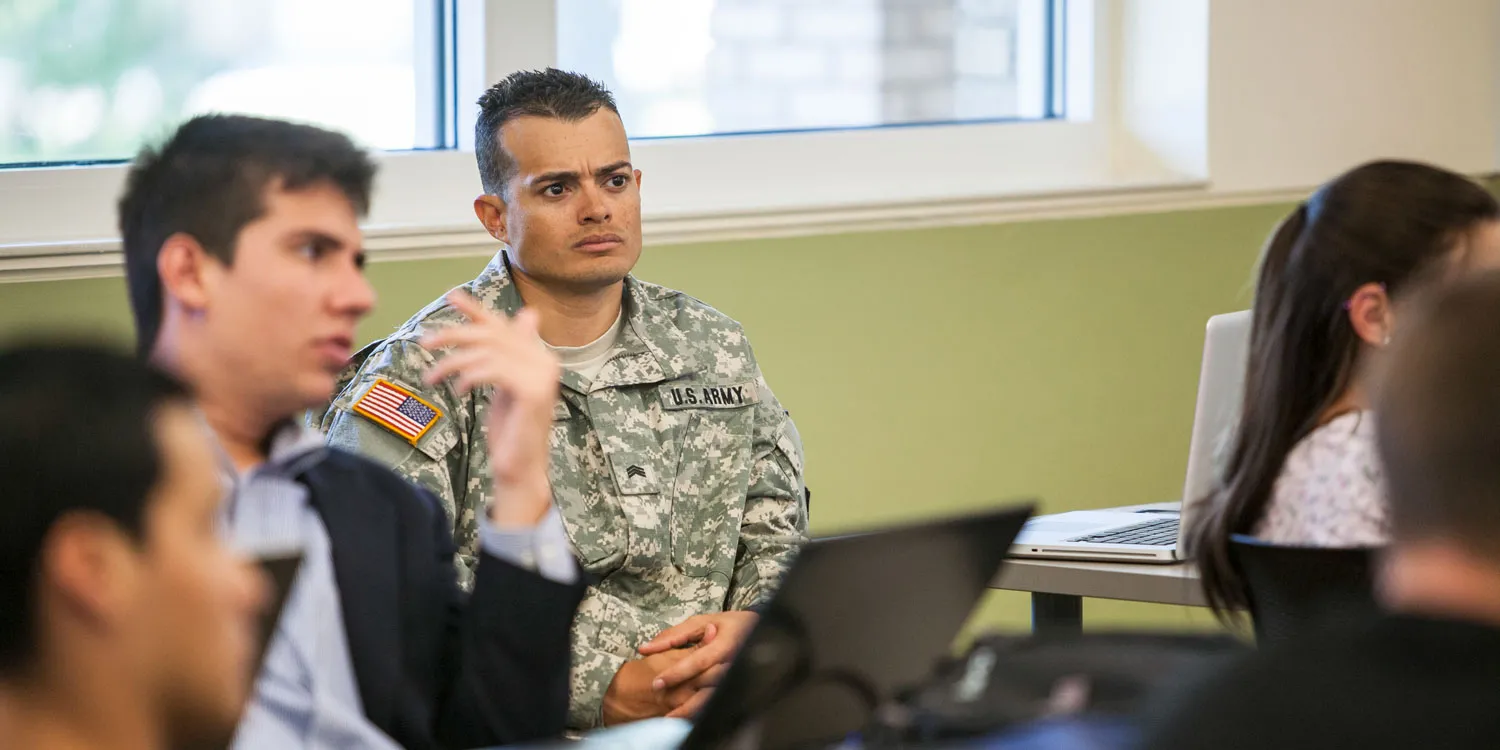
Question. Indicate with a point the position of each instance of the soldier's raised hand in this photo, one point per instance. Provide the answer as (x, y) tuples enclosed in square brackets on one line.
[(508, 355)]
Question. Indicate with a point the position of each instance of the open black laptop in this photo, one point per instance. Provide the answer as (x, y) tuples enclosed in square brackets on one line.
[(859, 619)]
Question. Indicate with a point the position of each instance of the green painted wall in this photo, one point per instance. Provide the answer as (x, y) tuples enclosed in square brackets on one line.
[(929, 371)]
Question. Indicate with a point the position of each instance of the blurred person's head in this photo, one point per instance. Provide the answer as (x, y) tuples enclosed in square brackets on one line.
[(117, 598), (244, 257), (1438, 430), (1324, 309), (559, 188)]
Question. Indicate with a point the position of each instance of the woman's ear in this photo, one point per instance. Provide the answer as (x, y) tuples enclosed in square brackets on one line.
[(1370, 314)]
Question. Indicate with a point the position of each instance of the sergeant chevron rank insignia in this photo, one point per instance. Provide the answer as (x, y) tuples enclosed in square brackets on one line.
[(700, 396)]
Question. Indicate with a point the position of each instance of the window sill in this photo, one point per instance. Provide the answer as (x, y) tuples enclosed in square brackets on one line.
[(92, 258)]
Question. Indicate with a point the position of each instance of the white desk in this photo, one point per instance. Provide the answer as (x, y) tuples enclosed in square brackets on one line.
[(1057, 587)]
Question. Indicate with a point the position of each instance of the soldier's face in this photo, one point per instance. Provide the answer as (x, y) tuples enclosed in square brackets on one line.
[(572, 212), (283, 314), (180, 607)]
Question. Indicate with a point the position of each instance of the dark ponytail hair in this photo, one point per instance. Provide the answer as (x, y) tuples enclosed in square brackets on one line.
[(1384, 222)]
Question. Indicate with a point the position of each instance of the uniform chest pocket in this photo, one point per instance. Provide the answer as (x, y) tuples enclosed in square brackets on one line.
[(708, 498), (595, 523)]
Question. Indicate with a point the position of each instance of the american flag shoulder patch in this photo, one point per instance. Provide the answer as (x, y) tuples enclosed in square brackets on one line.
[(398, 410)]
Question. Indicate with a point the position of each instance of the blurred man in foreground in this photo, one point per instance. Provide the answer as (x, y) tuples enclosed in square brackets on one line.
[(124, 621), (244, 258)]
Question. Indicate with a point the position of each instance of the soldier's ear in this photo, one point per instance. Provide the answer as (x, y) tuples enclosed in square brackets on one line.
[(490, 210)]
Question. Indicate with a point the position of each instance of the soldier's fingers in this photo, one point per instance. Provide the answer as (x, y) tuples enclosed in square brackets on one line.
[(529, 385), (711, 677), (470, 369), (479, 334), (455, 362), (709, 633), (684, 670), (446, 338), (492, 371), (718, 652), (681, 634), (528, 322), (524, 328), (676, 696), (692, 706), (472, 308)]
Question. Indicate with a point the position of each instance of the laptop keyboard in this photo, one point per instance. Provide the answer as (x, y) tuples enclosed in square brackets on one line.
[(1161, 531)]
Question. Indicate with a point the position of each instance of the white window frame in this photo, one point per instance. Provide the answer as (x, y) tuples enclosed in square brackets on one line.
[(772, 174), (59, 222)]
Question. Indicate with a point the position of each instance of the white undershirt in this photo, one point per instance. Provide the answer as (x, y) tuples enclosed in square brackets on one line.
[(589, 359)]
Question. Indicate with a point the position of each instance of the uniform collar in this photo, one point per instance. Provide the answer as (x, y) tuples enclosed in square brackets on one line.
[(652, 348)]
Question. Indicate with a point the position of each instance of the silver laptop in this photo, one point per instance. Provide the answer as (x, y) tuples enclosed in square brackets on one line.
[(1153, 533)]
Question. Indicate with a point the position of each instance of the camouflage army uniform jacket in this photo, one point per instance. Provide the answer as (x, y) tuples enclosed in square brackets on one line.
[(676, 471)]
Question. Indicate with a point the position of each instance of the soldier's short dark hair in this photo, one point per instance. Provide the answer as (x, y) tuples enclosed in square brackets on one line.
[(76, 436), (551, 93), (1438, 418), (209, 179)]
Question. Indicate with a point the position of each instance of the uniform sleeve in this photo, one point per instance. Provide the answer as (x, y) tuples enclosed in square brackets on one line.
[(606, 632), (592, 672), (775, 521), (436, 461)]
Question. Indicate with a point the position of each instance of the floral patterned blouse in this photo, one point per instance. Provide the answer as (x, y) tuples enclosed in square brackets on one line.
[(1331, 492)]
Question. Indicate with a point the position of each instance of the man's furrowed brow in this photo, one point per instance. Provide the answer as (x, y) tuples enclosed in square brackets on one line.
[(569, 176)]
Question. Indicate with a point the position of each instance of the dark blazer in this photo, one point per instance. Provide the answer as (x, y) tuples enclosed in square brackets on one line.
[(437, 668)]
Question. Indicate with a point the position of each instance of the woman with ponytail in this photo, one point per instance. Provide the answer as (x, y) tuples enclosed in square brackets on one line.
[(1301, 466)]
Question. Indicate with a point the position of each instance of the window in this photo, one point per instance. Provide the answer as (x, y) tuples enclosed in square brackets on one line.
[(91, 80), (821, 115), (698, 67)]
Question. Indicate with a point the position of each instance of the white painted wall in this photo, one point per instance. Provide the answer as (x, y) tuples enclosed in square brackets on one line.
[(1160, 81), (1300, 90)]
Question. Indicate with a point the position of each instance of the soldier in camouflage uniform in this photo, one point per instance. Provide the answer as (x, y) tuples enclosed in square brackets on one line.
[(677, 473)]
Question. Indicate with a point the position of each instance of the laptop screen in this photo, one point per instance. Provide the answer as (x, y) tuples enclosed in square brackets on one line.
[(858, 619), (1221, 388)]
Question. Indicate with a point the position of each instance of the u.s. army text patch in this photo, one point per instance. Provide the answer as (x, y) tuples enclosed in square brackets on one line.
[(398, 410), (701, 396)]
